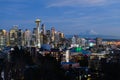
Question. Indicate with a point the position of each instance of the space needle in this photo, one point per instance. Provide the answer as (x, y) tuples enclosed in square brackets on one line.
[(38, 44)]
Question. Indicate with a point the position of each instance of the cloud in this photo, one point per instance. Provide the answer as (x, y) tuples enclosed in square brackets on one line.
[(96, 22), (17, 1), (13, 10), (13, 7), (75, 3), (72, 3), (22, 24)]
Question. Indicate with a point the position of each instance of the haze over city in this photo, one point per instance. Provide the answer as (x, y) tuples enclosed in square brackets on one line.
[(67, 16)]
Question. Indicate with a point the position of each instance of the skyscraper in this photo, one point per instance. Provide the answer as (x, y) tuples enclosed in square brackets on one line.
[(3, 38), (98, 41), (27, 38), (20, 37), (38, 44), (52, 34), (13, 37)]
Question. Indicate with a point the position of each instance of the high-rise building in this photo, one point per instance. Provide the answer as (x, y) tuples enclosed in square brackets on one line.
[(43, 30), (3, 38), (83, 42), (48, 36), (61, 35), (43, 37), (57, 37), (33, 37), (20, 37), (52, 34), (27, 37), (98, 41), (73, 40), (38, 44), (13, 37)]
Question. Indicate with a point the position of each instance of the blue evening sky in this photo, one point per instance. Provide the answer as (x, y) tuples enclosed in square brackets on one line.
[(67, 16)]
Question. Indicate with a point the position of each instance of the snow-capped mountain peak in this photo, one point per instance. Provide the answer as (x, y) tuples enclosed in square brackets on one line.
[(92, 32), (89, 32)]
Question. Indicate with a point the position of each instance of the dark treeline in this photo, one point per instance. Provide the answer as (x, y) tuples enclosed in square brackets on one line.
[(28, 64), (23, 64)]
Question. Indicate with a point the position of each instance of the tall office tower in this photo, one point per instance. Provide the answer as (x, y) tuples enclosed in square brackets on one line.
[(43, 29), (83, 42), (61, 39), (20, 37), (13, 38), (42, 35), (33, 37), (3, 38), (48, 36), (27, 38), (57, 37), (98, 41), (52, 34), (61, 35), (38, 44), (7, 39), (53, 37), (77, 39), (73, 40)]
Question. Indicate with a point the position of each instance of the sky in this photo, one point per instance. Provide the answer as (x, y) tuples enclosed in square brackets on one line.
[(67, 16)]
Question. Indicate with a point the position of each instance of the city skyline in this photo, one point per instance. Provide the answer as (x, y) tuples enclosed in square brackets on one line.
[(67, 16)]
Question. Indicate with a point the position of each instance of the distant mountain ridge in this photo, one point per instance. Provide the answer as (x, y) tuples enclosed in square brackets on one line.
[(89, 32), (93, 34)]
